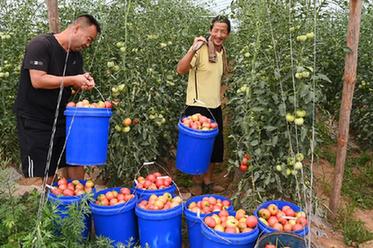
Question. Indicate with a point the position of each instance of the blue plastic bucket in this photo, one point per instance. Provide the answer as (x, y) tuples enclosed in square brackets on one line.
[(217, 239), (194, 149), (87, 139), (63, 203), (194, 222), (118, 222), (146, 193), (160, 228), (279, 203), (283, 239)]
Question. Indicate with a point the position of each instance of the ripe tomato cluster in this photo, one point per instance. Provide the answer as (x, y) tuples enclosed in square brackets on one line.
[(240, 223), (153, 181), (114, 197), (199, 122), (86, 104), (284, 219), (208, 205), (163, 202), (244, 163), (73, 188)]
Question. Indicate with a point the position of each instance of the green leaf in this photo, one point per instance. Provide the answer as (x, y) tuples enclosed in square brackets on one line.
[(270, 128)]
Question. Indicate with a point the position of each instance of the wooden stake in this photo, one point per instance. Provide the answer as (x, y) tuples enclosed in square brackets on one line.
[(53, 19), (349, 79)]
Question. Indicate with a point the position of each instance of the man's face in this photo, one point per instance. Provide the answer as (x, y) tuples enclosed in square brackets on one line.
[(83, 37), (219, 33)]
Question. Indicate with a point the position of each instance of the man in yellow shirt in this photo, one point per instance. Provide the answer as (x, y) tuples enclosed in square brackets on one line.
[(206, 63)]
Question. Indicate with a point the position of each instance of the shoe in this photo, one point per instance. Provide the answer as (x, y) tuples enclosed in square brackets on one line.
[(207, 188), (196, 189), (218, 189)]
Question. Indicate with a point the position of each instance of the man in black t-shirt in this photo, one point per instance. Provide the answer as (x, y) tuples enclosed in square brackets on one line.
[(51, 60)]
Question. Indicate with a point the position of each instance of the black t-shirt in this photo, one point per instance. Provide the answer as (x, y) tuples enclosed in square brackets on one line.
[(44, 53)]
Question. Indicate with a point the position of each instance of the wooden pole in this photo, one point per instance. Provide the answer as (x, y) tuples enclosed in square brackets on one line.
[(53, 20), (349, 79)]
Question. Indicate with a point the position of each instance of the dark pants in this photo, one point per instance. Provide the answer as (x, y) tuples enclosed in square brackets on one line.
[(34, 137)]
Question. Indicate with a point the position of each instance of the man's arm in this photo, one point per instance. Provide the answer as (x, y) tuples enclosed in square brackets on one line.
[(42, 80), (184, 64)]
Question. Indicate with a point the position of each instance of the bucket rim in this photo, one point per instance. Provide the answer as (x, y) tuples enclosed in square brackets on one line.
[(215, 130), (154, 191), (193, 216), (88, 112), (70, 199), (266, 229), (159, 214), (119, 205), (235, 238)]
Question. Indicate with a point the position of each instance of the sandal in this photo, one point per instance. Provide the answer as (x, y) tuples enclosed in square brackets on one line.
[(207, 188), (196, 189)]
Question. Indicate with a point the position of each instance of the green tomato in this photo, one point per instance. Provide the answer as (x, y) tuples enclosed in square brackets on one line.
[(291, 161), (247, 55), (290, 117), (278, 167), (2, 74), (300, 113), (110, 64), (301, 38), (292, 29), (123, 49), (298, 75), (121, 87), (116, 68), (298, 166), (299, 121), (117, 128), (294, 172), (126, 129), (310, 35), (119, 44), (288, 172), (305, 74), (114, 89), (6, 74), (299, 157)]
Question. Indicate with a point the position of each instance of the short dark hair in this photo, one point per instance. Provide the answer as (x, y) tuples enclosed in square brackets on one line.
[(221, 19), (89, 20)]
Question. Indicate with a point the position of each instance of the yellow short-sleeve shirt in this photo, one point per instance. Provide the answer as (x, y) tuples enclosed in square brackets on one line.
[(209, 76)]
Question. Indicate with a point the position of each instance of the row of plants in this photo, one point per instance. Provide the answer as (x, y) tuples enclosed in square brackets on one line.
[(273, 91)]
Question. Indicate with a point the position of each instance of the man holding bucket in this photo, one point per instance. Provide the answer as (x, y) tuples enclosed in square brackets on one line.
[(206, 63), (51, 61)]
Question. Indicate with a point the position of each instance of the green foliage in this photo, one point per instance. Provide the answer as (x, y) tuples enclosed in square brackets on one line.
[(357, 183), (14, 33), (333, 30), (273, 77), (354, 231)]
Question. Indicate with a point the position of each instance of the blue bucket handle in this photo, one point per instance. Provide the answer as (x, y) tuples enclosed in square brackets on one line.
[(157, 164), (213, 230)]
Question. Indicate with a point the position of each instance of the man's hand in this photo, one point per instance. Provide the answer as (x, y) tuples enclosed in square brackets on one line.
[(198, 42), (91, 82), (84, 81)]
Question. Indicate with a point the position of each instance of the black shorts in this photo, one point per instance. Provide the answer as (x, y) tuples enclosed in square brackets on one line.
[(34, 137), (218, 152)]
